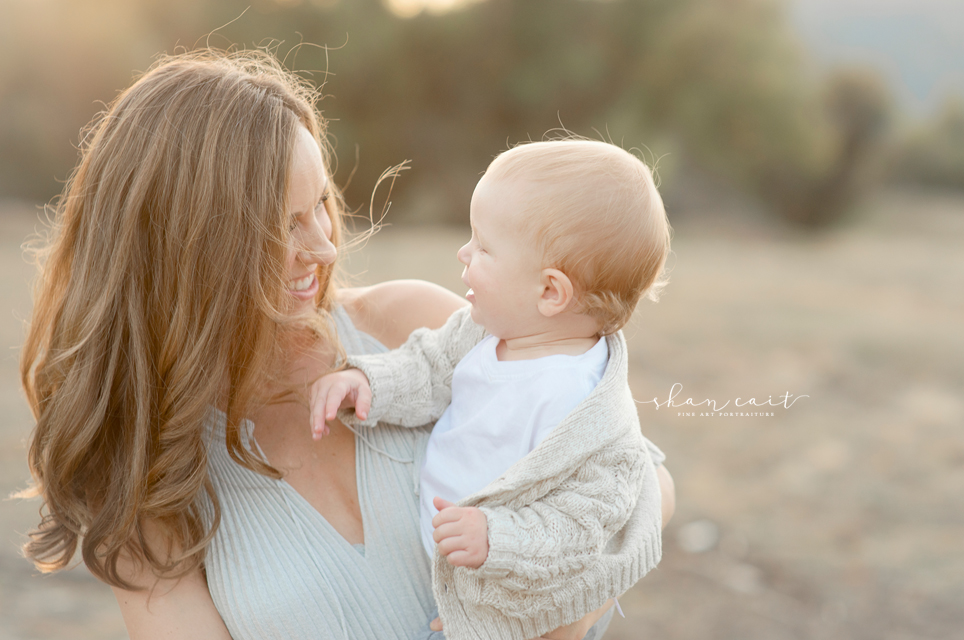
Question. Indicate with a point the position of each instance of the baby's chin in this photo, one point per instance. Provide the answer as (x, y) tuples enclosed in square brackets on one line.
[(474, 312), (479, 320)]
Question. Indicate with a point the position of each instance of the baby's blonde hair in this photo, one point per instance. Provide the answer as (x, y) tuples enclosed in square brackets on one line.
[(594, 212)]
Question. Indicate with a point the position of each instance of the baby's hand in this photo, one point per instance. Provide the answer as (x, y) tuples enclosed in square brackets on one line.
[(462, 534), (339, 390)]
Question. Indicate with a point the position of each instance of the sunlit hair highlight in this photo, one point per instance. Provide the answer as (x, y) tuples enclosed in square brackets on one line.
[(162, 294), (594, 212)]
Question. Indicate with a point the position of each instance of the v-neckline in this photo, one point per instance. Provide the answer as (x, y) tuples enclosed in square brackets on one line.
[(338, 313), (251, 443)]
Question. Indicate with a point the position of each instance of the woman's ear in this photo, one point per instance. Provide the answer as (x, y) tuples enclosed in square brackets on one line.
[(557, 292)]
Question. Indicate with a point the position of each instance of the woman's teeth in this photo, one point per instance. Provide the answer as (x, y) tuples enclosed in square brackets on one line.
[(302, 284)]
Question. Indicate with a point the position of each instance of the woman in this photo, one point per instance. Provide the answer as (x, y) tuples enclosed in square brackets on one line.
[(185, 303)]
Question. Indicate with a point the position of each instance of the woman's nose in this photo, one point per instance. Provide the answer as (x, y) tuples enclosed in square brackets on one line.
[(318, 248), (323, 253)]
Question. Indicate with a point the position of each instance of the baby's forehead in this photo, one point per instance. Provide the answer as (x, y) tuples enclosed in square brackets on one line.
[(515, 195)]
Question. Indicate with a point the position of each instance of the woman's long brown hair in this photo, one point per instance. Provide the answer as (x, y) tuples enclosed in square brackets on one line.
[(161, 294)]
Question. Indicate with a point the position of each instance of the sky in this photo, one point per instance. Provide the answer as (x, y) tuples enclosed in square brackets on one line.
[(918, 45)]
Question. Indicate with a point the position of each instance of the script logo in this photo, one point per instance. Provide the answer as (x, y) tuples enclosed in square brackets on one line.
[(712, 407)]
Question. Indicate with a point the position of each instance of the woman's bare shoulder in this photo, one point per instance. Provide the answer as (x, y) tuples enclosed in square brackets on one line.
[(166, 608), (171, 609), (390, 311)]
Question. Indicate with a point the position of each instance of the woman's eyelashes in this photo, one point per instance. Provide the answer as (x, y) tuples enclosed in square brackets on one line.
[(320, 205)]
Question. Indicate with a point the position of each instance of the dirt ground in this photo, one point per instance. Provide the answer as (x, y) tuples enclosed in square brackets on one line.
[(840, 515)]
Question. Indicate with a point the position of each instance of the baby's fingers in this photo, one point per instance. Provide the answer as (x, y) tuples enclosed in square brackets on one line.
[(363, 401), (324, 398), (317, 402), (447, 530), (463, 558), (450, 514), (450, 545), (336, 397)]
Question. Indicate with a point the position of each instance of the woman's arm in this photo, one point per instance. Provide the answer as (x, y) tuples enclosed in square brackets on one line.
[(167, 609), (667, 490), (390, 311), (575, 631), (171, 610), (578, 629)]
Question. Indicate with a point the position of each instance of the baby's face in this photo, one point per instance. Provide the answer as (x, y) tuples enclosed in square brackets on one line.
[(502, 266)]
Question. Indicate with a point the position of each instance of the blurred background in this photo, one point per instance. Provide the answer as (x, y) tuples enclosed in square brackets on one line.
[(811, 156)]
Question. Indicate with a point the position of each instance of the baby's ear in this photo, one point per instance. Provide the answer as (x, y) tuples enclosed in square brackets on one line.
[(557, 292)]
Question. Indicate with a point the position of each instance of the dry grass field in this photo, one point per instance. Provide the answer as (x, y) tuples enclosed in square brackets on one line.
[(840, 516)]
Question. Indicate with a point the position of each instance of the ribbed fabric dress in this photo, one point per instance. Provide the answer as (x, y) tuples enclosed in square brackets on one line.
[(277, 570)]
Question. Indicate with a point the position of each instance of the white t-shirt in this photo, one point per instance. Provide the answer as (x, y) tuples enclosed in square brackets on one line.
[(500, 412)]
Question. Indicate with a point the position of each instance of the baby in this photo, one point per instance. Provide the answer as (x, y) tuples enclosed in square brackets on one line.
[(537, 487)]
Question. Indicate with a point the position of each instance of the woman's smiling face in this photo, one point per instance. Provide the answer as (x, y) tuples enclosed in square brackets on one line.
[(309, 220)]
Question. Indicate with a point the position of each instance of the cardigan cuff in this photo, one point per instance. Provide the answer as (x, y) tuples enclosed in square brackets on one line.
[(501, 559), (382, 383)]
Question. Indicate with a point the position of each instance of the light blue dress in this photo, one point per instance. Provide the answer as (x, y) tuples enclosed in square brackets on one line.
[(277, 570)]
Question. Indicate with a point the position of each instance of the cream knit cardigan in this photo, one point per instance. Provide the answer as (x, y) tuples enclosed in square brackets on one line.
[(574, 523)]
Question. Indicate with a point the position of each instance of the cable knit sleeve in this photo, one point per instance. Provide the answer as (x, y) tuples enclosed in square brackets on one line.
[(554, 560), (562, 533), (412, 385)]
